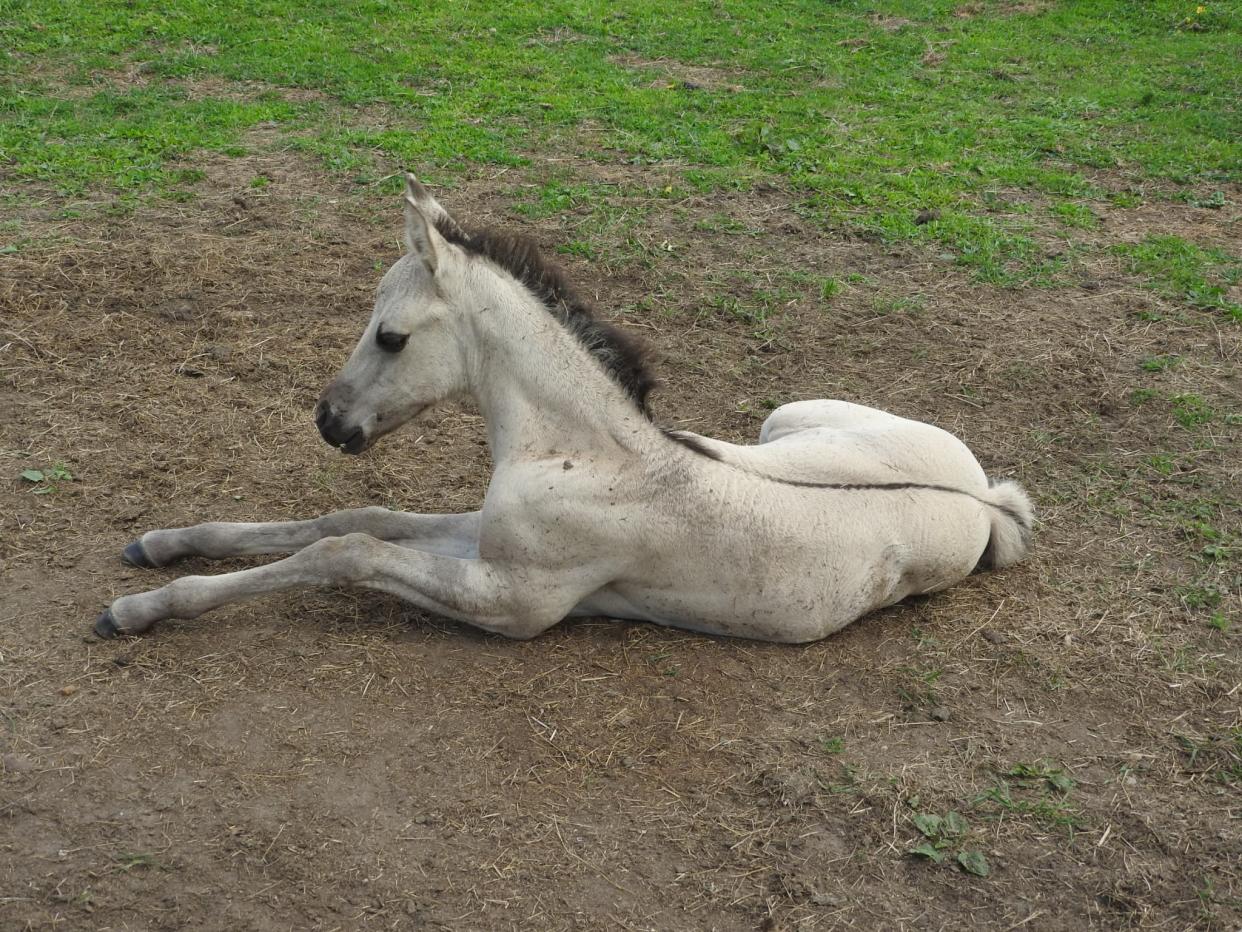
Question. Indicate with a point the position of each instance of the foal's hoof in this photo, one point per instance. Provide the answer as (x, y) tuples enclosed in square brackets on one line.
[(134, 555), (105, 626)]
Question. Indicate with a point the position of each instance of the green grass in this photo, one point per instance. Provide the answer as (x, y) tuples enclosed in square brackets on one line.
[(871, 118), (1187, 272)]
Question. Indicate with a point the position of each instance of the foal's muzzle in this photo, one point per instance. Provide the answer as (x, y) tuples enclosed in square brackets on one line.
[(336, 432)]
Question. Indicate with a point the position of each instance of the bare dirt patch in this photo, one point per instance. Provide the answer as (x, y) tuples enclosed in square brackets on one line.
[(1004, 8), (691, 77), (202, 87), (337, 760)]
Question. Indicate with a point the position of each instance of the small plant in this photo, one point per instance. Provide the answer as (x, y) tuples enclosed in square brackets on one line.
[(1040, 790), (1214, 201), (832, 745), (578, 248), (1199, 597), (1192, 410), (941, 834), (1029, 775), (1161, 463), (127, 861), (1159, 363), (48, 479), (829, 288), (890, 304)]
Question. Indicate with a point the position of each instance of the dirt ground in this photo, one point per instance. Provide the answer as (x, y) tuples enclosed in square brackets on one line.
[(334, 760)]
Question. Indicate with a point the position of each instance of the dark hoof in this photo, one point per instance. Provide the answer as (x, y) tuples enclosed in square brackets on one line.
[(134, 555), (105, 626)]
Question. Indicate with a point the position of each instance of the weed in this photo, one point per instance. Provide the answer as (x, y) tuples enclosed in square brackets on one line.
[(1196, 597), (1159, 363), (1191, 410), (1161, 463), (832, 745), (128, 861), (578, 248), (47, 480), (943, 833), (898, 304), (1027, 775), (1214, 201), (1040, 791), (829, 288)]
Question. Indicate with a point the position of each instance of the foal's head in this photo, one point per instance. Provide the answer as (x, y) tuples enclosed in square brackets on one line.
[(409, 357)]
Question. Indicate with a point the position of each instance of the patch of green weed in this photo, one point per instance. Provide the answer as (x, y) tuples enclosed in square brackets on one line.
[(1040, 791), (1191, 410), (1198, 276), (1159, 363)]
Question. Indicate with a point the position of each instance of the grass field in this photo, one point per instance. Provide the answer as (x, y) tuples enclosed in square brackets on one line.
[(1018, 220)]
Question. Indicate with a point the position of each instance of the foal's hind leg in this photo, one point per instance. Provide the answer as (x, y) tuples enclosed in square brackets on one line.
[(215, 540), (821, 412)]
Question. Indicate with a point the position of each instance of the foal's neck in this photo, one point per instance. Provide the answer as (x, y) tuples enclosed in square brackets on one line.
[(540, 390)]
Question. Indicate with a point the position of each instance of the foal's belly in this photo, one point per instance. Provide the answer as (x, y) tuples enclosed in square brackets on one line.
[(795, 588), (708, 614), (790, 606)]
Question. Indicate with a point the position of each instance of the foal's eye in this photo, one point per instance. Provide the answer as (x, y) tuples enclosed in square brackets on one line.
[(391, 342)]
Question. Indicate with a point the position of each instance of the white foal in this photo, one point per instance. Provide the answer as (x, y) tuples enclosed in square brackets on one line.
[(592, 509)]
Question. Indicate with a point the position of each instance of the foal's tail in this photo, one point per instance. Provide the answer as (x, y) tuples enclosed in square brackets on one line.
[(1012, 516)]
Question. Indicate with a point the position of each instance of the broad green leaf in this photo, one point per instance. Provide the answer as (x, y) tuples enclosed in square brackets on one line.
[(929, 851), (33, 475), (955, 823), (927, 823), (973, 862)]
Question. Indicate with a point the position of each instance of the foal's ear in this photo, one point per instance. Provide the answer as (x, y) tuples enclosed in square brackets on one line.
[(419, 236), (431, 208)]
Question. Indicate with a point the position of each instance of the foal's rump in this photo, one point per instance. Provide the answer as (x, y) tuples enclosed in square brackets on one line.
[(831, 441)]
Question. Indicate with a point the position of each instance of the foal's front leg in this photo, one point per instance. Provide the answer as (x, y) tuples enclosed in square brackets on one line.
[(512, 599), (452, 534)]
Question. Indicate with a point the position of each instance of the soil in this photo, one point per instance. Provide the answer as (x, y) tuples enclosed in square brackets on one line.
[(337, 760)]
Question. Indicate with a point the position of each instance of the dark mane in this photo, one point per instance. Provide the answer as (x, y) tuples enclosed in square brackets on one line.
[(620, 354)]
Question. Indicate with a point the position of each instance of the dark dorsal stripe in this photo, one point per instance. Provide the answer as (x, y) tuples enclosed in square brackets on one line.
[(692, 442), (621, 356)]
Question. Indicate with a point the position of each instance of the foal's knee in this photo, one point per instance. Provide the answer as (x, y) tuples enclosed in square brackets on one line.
[(344, 559), (343, 523)]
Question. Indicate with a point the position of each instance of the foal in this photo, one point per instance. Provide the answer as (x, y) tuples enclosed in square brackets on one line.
[(592, 509)]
